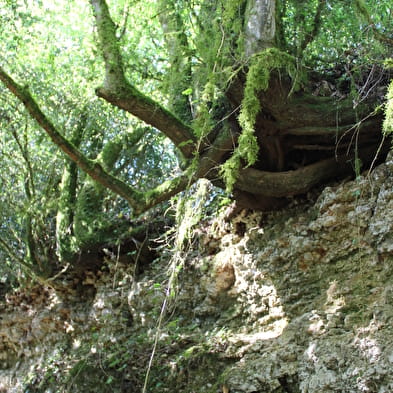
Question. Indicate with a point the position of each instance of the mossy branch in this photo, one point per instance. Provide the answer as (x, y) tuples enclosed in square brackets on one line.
[(204, 167), (119, 92), (288, 183), (364, 13), (139, 201), (257, 81), (310, 36), (179, 52), (281, 9), (91, 167)]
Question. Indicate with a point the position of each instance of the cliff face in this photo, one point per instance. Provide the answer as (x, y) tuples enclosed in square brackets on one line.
[(295, 301)]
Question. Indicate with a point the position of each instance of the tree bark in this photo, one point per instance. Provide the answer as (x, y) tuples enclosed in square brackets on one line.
[(119, 92), (260, 26), (290, 183)]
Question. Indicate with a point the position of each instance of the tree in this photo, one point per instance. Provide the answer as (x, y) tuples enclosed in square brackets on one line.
[(262, 97)]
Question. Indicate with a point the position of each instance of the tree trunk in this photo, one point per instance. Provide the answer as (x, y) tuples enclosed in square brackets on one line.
[(260, 26), (65, 236), (179, 56)]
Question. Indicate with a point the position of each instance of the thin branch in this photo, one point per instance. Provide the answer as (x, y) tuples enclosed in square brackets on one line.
[(125, 21), (29, 182), (8, 250), (362, 9), (315, 26)]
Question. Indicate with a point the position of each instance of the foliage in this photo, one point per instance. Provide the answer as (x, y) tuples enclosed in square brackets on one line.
[(183, 55), (352, 46), (258, 76), (64, 213), (388, 123), (28, 192), (175, 54)]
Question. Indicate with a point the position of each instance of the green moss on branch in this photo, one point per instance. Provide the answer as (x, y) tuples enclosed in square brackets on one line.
[(258, 77)]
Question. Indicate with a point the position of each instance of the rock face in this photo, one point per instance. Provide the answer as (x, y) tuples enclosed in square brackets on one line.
[(294, 301), (329, 270)]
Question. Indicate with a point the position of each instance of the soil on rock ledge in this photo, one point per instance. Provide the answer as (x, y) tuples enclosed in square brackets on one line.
[(294, 301)]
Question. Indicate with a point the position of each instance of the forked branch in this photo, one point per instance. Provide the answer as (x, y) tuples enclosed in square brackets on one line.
[(139, 201), (119, 92)]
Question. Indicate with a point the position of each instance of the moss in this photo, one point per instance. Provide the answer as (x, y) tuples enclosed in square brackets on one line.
[(388, 122), (178, 79), (362, 10), (258, 76), (203, 123), (110, 153), (230, 170)]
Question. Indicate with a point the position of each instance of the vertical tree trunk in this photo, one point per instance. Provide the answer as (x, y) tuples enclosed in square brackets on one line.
[(90, 221), (260, 26), (65, 237), (179, 56)]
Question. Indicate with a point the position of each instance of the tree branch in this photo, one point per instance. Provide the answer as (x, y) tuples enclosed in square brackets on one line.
[(310, 36), (91, 167), (139, 201), (367, 126), (206, 167), (119, 92), (362, 9), (289, 183)]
